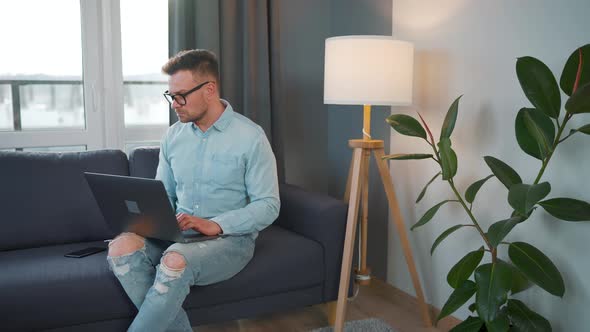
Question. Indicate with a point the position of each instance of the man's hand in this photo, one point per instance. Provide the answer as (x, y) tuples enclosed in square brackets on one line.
[(204, 226)]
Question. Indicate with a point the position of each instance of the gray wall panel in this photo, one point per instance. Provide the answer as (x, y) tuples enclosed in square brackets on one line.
[(316, 136)]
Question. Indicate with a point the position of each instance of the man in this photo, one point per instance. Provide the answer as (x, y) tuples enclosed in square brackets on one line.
[(220, 175)]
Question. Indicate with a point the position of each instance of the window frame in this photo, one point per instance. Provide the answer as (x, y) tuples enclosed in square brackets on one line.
[(102, 81)]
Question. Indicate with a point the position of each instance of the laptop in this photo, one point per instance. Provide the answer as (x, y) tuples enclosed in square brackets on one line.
[(138, 205)]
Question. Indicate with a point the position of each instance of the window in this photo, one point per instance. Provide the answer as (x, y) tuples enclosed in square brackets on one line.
[(144, 43), (51, 104), (6, 119), (41, 81), (78, 79)]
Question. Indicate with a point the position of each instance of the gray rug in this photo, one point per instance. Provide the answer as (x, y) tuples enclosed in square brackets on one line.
[(371, 324)]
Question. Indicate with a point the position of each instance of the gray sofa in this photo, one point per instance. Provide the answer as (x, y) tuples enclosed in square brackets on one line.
[(48, 210)]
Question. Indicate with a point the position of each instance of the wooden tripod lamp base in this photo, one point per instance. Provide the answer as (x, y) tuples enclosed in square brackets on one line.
[(357, 186), (385, 78)]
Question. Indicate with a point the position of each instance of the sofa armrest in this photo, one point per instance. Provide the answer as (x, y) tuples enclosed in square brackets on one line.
[(321, 218)]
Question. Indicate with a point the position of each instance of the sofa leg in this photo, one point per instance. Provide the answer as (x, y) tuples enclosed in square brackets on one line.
[(331, 312)]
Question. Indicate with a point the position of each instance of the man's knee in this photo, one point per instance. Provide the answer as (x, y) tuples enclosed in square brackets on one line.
[(174, 261), (126, 243)]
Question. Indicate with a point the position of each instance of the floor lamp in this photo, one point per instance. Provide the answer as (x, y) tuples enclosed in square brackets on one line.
[(368, 70)]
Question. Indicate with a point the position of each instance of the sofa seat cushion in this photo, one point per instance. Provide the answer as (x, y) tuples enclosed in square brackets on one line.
[(41, 288), (283, 261)]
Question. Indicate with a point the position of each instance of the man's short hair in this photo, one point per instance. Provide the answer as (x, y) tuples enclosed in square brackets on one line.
[(201, 62)]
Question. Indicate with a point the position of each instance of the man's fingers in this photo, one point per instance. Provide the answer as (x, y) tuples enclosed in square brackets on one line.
[(185, 223), (182, 224)]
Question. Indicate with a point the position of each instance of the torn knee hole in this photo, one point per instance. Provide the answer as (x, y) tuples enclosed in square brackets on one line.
[(129, 237), (174, 261), (125, 244)]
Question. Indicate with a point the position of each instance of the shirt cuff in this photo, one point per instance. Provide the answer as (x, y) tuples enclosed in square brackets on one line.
[(231, 224)]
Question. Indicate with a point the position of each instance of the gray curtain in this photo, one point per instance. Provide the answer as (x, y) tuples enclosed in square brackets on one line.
[(244, 35)]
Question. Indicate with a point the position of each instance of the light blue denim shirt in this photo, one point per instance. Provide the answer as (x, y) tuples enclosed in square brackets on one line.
[(227, 174)]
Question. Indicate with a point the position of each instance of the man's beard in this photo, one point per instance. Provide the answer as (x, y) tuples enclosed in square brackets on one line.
[(199, 117), (194, 118)]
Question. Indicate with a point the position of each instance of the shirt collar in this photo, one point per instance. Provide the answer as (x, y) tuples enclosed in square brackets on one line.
[(225, 117)]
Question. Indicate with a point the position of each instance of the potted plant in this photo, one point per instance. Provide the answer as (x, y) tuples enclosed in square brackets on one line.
[(539, 132)]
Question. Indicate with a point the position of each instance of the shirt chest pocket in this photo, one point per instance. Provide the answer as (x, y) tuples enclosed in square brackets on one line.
[(227, 171)]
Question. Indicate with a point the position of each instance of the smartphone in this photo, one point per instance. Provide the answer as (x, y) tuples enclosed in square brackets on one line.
[(85, 252)]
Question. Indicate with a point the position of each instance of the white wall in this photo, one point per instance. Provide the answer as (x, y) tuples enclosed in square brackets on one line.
[(470, 48)]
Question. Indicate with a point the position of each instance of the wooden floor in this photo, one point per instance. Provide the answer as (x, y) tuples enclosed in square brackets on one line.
[(378, 300)]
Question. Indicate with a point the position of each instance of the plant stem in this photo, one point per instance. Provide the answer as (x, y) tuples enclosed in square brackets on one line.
[(567, 117), (460, 199), (475, 223), (568, 136), (433, 145)]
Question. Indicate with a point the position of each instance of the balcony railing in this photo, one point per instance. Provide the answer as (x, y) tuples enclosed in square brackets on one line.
[(16, 100)]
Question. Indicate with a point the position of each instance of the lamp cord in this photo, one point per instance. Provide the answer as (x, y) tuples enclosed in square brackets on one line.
[(365, 134)]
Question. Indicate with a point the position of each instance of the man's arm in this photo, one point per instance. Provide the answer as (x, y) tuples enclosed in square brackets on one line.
[(164, 173), (263, 190)]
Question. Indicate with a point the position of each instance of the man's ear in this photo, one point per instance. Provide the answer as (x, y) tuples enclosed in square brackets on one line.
[(211, 90)]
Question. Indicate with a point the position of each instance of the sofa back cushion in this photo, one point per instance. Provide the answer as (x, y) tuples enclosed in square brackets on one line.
[(45, 199), (143, 162)]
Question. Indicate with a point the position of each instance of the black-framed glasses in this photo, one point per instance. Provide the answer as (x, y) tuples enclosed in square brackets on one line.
[(180, 98)]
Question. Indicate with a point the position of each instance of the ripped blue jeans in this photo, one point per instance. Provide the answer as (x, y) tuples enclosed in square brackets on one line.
[(159, 291)]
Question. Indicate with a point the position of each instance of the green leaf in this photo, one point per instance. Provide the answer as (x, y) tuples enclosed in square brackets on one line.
[(443, 236), (539, 85), (523, 197), (544, 139), (579, 102), (407, 156), (526, 140), (448, 159), (471, 324), (472, 307), (526, 320), (474, 188), (502, 171), (519, 281), (537, 267), (498, 231), (500, 324), (426, 187), (429, 214), (568, 75), (532, 128), (458, 298), (406, 125), (464, 268), (567, 209), (450, 119), (584, 129), (493, 282)]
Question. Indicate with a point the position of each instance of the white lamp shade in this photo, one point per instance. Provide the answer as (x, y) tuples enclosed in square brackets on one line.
[(368, 70)]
